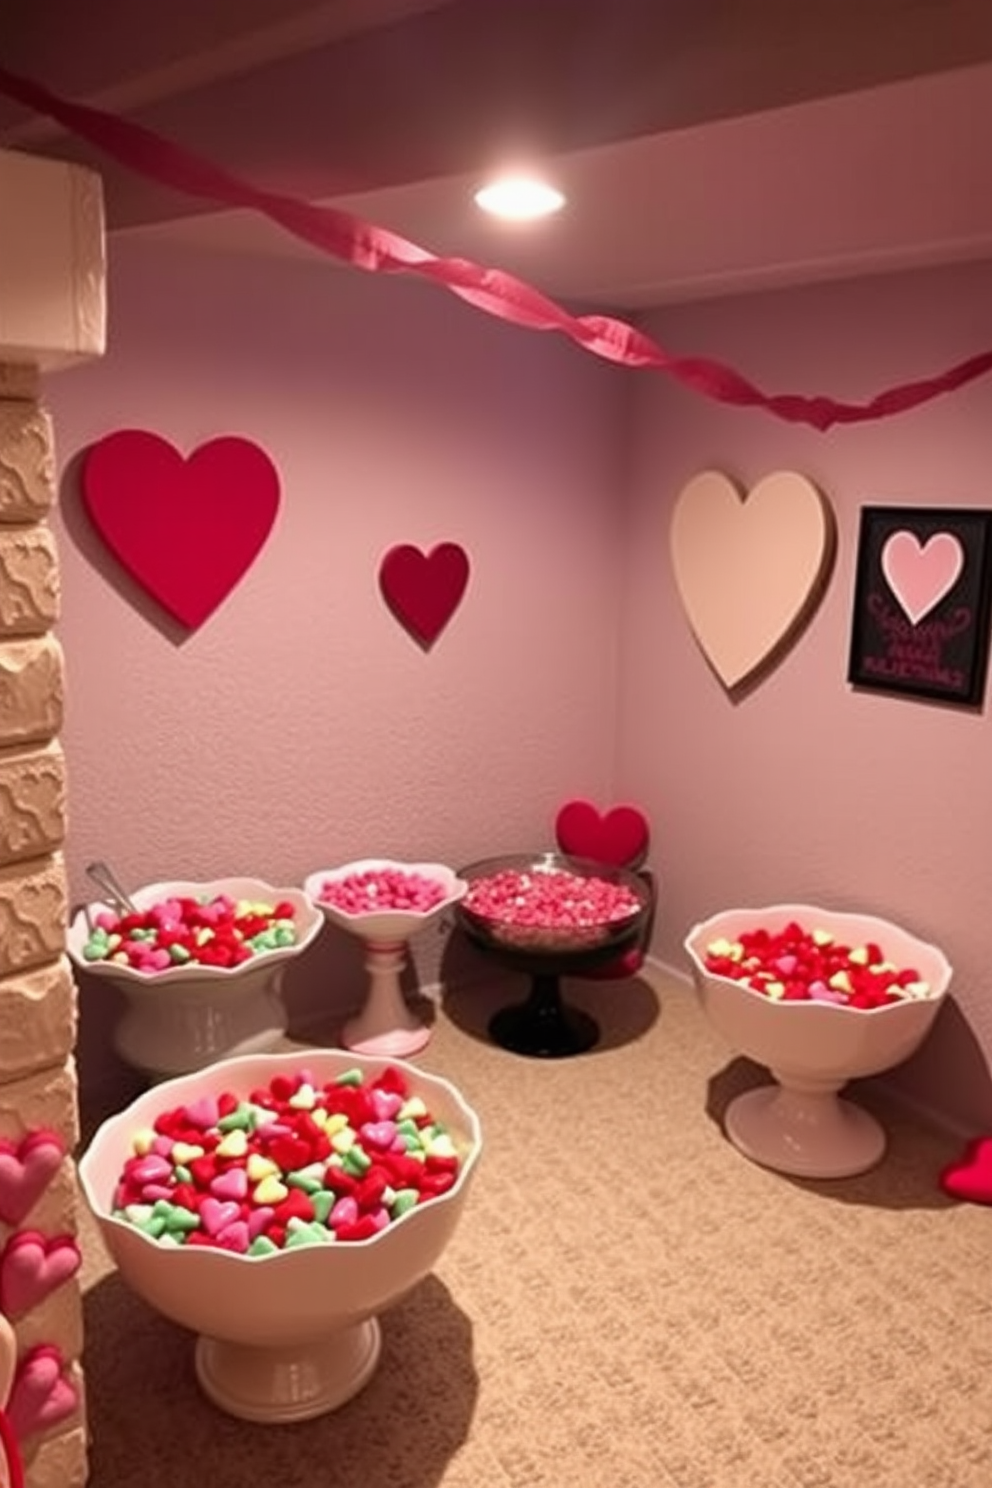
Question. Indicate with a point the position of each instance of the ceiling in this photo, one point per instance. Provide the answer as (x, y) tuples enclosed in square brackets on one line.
[(705, 146)]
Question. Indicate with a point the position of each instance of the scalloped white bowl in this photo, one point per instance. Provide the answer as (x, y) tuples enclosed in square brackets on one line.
[(186, 1016), (287, 1336), (813, 1048), (391, 925)]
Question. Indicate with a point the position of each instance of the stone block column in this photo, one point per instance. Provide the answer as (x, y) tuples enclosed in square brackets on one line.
[(51, 314)]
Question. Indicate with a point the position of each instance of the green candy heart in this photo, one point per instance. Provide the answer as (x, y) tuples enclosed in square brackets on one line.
[(262, 1246)]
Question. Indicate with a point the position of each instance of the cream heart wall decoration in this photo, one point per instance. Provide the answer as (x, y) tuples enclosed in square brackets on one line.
[(749, 566)]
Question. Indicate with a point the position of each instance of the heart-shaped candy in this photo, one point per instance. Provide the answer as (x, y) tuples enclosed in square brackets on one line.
[(32, 1266), (232, 1184), (42, 1394), (971, 1176), (618, 836), (203, 1112), (186, 529), (423, 590), (26, 1171), (217, 1214)]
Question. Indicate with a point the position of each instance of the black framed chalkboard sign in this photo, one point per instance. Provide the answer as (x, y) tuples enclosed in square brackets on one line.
[(922, 602)]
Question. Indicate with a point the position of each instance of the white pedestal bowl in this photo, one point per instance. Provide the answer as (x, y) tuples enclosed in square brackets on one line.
[(386, 1025), (800, 1124), (287, 1336), (187, 1016)]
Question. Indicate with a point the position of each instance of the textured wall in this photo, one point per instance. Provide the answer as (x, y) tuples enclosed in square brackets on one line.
[(807, 789), (38, 1088)]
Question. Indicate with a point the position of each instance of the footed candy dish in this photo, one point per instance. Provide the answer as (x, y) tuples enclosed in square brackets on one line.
[(189, 1001), (820, 998), (237, 1206), (383, 902)]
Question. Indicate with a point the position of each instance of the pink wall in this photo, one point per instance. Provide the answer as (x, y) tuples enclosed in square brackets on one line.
[(301, 727), (807, 790)]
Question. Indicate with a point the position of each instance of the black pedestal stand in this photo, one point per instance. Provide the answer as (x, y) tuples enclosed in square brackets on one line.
[(544, 1026)]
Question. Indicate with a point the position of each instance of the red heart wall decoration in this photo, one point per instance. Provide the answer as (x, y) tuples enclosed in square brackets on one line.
[(618, 836), (32, 1266), (43, 1392), (26, 1169), (186, 529), (424, 590)]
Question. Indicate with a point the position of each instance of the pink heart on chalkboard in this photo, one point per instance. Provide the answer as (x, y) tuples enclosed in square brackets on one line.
[(618, 836), (32, 1266), (42, 1394), (920, 575), (186, 529), (26, 1171), (423, 590)]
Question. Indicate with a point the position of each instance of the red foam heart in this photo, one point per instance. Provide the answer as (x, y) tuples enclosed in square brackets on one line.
[(187, 529), (42, 1394), (423, 590), (32, 1266), (619, 836), (971, 1176), (26, 1171)]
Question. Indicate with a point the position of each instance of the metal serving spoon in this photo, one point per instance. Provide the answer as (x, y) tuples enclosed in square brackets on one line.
[(103, 875)]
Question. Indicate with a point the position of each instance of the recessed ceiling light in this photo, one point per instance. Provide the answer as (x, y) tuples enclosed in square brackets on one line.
[(519, 198)]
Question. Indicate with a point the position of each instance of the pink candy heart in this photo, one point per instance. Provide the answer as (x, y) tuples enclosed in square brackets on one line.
[(230, 1185), (33, 1266), (26, 1171), (151, 1169), (42, 1395), (203, 1112), (379, 1133), (216, 1214), (259, 1219), (385, 1104), (234, 1236)]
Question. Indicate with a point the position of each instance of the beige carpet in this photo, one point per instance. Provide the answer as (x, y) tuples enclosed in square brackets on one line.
[(628, 1302)]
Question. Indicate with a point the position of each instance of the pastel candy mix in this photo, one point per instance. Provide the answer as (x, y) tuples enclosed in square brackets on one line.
[(293, 1163), (221, 932), (550, 906), (377, 889), (800, 965)]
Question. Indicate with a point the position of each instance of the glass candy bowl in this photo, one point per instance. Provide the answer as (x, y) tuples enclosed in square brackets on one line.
[(799, 1124), (547, 949), (188, 1015)]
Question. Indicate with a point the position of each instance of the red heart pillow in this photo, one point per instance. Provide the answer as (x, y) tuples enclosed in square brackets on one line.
[(186, 529), (971, 1176), (619, 836)]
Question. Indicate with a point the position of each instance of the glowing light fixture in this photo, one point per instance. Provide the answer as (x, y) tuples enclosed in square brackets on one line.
[(519, 198)]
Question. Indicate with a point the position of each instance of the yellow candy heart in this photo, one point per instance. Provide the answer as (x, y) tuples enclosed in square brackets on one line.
[(141, 1142), (335, 1123), (185, 1152), (270, 1191), (343, 1139), (235, 1144), (304, 1099), (258, 1167), (320, 1116)]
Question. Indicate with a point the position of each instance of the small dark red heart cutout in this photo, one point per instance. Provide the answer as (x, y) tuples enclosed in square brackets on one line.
[(187, 529), (971, 1177), (423, 590), (619, 837)]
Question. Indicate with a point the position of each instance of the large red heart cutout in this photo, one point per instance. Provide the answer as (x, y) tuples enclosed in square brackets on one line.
[(187, 529), (618, 836), (971, 1177), (423, 590)]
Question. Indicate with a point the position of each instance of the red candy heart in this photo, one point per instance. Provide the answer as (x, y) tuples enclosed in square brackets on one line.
[(971, 1176), (619, 837), (186, 529), (424, 590)]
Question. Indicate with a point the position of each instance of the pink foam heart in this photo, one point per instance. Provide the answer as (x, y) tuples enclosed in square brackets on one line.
[(920, 575), (424, 590), (187, 529), (26, 1171), (33, 1266), (971, 1176), (42, 1394), (216, 1214), (618, 836)]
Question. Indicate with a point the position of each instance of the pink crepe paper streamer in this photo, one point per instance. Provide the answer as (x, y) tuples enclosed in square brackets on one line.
[(378, 250)]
